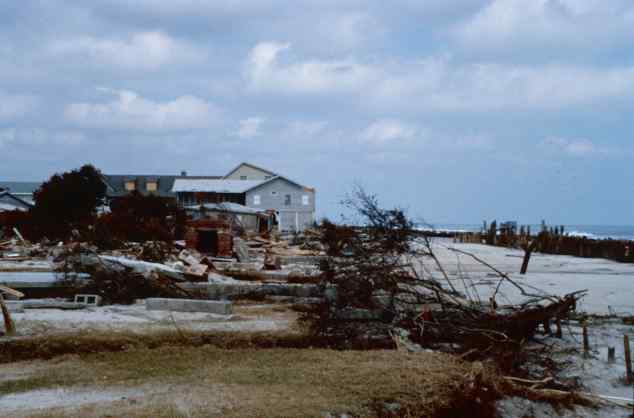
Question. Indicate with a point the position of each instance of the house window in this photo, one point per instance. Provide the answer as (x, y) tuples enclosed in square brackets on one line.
[(287, 200), (273, 193), (243, 177), (130, 186), (151, 186), (305, 200), (256, 199)]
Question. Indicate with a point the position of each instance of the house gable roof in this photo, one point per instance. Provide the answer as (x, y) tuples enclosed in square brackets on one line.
[(269, 172), (272, 179)]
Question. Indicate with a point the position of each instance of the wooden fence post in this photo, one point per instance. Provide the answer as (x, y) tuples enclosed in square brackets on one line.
[(611, 355), (586, 343), (558, 332), (628, 359)]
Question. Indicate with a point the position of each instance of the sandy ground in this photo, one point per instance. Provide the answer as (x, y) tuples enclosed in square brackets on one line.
[(610, 284), (610, 287)]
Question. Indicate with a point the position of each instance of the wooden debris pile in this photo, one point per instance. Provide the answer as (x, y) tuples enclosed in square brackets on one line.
[(379, 279)]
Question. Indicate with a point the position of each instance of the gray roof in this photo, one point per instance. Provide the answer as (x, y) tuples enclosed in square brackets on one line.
[(188, 184), (20, 187), (214, 186), (116, 183), (9, 202)]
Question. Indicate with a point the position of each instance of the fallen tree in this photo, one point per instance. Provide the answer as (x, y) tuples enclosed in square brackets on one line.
[(383, 278)]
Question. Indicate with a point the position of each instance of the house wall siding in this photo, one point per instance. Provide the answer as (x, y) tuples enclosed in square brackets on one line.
[(252, 173), (273, 195)]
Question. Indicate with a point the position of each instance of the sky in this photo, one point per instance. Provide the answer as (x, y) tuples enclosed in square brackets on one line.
[(455, 110)]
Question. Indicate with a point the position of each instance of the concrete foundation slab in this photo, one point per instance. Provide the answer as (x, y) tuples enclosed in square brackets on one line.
[(189, 305), (253, 289)]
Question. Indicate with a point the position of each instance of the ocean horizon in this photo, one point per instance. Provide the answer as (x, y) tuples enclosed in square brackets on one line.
[(621, 232)]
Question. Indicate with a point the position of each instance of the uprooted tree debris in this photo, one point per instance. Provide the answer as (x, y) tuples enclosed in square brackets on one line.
[(116, 280), (383, 280)]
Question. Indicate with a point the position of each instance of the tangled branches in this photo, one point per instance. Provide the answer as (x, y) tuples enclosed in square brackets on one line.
[(384, 276)]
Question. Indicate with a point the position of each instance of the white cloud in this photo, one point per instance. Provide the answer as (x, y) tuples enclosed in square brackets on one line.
[(264, 71), (438, 83), (544, 24), (141, 51), (339, 30), (387, 130), (131, 111), (13, 106), (577, 147), (250, 127)]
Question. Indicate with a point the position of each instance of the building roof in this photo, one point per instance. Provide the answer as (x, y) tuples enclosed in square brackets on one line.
[(115, 183), (187, 184), (214, 186), (11, 202), (20, 187), (252, 166), (228, 207)]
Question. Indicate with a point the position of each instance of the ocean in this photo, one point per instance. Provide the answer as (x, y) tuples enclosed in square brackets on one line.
[(625, 232)]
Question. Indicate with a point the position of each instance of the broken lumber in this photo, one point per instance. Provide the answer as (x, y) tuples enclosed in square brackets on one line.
[(17, 234)]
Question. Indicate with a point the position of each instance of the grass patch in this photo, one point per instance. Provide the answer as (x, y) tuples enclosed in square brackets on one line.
[(280, 382), (47, 347), (27, 384)]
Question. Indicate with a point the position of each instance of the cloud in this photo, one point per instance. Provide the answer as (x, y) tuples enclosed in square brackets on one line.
[(437, 83), (265, 72), (577, 147), (440, 84), (302, 129), (130, 111), (387, 130), (13, 106), (250, 127), (141, 51), (19, 136), (548, 24)]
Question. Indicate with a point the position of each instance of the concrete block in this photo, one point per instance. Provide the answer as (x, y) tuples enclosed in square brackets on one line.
[(220, 307), (90, 300)]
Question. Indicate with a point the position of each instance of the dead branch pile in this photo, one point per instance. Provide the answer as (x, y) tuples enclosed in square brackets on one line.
[(384, 278), (84, 271)]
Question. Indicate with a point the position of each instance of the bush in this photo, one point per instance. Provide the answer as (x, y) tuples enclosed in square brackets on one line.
[(139, 218), (65, 202)]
